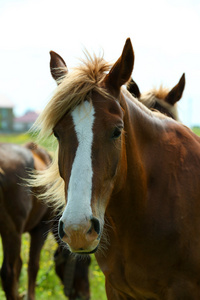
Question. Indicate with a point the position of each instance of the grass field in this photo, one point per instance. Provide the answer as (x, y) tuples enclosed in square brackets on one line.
[(48, 284), (196, 130)]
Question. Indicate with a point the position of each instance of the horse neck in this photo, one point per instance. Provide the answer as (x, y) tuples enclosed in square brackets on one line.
[(142, 129), (143, 124)]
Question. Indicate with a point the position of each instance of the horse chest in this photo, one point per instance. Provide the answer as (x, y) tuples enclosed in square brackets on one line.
[(130, 275), (132, 281), (139, 269)]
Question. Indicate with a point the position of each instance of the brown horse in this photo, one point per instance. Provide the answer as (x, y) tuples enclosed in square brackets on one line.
[(21, 212), (131, 181), (163, 100)]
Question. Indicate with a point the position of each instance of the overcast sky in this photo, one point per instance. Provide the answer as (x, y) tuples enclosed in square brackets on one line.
[(164, 33)]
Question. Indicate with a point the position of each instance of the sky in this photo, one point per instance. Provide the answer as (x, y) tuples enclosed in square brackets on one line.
[(164, 34)]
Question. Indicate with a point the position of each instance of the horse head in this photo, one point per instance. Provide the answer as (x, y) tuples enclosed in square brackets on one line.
[(91, 137)]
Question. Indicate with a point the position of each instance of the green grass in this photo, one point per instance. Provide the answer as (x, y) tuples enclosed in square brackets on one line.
[(196, 130), (15, 138), (48, 284), (23, 138)]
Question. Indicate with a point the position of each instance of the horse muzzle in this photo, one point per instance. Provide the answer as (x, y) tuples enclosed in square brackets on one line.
[(82, 238)]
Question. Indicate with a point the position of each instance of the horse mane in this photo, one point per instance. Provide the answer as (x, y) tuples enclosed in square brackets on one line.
[(51, 184), (72, 90), (158, 95), (1, 171), (49, 181)]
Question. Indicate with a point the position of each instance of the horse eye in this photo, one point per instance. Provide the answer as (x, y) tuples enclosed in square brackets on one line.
[(56, 135), (116, 133)]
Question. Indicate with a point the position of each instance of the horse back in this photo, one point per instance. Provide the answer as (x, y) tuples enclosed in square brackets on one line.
[(19, 206), (15, 160), (15, 198)]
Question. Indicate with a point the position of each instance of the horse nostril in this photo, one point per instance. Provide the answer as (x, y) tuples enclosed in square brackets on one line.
[(61, 230), (95, 224)]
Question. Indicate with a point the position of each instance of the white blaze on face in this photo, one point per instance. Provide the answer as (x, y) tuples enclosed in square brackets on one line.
[(78, 207)]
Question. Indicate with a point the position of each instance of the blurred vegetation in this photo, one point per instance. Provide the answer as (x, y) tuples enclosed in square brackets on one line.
[(48, 284), (49, 144), (196, 129), (15, 138)]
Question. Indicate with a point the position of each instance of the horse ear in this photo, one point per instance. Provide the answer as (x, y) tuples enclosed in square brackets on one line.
[(58, 66), (133, 88), (122, 69), (176, 93)]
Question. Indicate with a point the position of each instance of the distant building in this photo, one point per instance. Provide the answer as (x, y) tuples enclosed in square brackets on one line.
[(25, 122), (6, 114)]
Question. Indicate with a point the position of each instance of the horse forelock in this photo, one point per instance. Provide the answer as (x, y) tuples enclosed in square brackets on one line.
[(74, 89), (160, 93), (151, 97)]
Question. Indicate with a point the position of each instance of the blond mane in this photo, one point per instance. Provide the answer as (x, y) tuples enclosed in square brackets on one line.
[(2, 171), (73, 89)]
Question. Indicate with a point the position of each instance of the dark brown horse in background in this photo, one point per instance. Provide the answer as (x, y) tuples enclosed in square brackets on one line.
[(163, 100), (20, 212), (130, 178)]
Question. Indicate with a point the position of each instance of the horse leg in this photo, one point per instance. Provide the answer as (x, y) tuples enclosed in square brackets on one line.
[(80, 288), (38, 237), (12, 264)]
